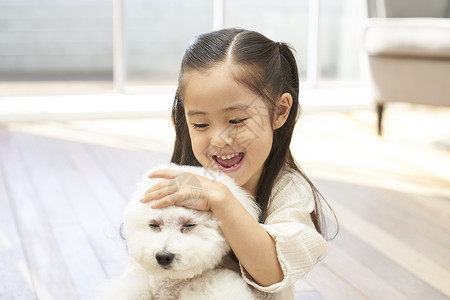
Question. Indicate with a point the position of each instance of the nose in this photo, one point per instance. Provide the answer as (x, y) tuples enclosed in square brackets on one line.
[(222, 137), (164, 258)]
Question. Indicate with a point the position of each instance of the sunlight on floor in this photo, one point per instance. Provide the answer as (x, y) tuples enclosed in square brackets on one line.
[(153, 134)]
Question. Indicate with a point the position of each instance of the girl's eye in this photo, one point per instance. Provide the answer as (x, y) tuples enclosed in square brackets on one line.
[(200, 126), (237, 121)]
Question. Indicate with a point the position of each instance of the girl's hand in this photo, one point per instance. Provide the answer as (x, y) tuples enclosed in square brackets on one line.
[(184, 189)]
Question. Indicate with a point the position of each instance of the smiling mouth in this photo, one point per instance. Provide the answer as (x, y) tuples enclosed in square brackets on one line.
[(229, 161)]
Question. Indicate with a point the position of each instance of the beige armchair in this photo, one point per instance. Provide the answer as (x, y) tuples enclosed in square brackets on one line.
[(408, 47)]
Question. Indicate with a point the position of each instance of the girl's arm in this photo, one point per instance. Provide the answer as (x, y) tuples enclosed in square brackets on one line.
[(251, 243)]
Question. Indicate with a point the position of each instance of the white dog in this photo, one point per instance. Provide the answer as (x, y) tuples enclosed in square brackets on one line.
[(175, 252)]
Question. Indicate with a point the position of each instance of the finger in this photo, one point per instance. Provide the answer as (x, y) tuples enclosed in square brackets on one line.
[(160, 185), (165, 174), (159, 194), (160, 190), (154, 195), (187, 198), (166, 201)]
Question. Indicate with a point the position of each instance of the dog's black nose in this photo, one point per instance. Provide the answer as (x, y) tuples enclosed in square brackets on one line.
[(164, 258)]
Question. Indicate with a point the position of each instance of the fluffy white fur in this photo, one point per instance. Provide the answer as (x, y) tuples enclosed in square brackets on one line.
[(194, 272)]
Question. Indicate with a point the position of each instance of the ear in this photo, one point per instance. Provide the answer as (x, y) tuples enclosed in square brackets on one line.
[(282, 110)]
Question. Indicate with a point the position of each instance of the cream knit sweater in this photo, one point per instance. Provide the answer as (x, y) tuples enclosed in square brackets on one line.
[(298, 244)]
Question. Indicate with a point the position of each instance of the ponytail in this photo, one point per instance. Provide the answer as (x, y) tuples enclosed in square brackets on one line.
[(287, 57)]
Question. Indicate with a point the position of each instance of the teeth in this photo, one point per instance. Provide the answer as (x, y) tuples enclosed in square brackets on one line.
[(229, 156)]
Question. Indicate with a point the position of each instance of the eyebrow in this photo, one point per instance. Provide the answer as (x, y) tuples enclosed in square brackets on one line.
[(243, 107), (195, 113)]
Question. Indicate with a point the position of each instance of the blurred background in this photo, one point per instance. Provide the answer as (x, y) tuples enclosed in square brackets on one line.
[(70, 40)]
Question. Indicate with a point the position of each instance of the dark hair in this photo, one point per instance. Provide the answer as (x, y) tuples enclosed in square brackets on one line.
[(267, 68)]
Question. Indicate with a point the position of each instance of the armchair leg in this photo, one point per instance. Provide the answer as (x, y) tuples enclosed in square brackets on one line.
[(380, 108)]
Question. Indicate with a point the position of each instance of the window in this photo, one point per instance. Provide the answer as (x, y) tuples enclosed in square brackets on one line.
[(323, 32)]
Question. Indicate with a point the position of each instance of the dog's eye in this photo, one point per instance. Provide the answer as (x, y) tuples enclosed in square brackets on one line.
[(154, 226), (187, 227)]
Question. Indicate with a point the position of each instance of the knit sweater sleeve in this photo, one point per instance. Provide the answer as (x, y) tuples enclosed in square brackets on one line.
[(298, 244)]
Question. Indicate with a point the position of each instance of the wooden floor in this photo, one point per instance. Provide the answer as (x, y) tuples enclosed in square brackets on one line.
[(63, 187)]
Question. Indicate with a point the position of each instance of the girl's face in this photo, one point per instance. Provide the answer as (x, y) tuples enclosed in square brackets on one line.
[(230, 126)]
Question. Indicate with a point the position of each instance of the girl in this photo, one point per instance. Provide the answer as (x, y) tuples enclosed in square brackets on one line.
[(235, 111)]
